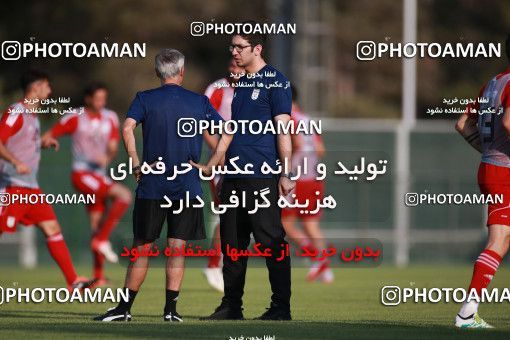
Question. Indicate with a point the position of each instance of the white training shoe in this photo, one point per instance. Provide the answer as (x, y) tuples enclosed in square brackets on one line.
[(327, 276), (475, 321), (105, 248), (316, 270), (214, 277)]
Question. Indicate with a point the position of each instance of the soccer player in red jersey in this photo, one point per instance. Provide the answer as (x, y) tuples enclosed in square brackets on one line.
[(20, 153), (220, 94), (486, 126), (311, 147), (95, 138)]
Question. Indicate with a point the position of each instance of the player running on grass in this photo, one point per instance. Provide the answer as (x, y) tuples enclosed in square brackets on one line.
[(95, 141), (489, 134), (220, 94), (20, 153), (311, 147)]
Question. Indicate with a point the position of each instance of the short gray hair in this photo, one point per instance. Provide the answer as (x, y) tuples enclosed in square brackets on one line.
[(169, 63)]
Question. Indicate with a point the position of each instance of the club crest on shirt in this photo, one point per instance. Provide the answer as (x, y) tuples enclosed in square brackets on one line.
[(255, 94)]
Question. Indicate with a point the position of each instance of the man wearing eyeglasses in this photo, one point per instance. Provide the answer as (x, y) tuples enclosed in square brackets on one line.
[(263, 102)]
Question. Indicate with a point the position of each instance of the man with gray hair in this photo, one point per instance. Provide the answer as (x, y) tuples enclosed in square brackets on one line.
[(162, 111), (169, 63)]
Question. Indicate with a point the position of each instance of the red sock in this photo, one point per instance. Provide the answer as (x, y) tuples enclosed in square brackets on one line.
[(307, 244), (98, 265), (485, 267), (214, 261), (117, 209), (60, 253)]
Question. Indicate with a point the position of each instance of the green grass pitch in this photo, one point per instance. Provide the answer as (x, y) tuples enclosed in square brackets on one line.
[(349, 308)]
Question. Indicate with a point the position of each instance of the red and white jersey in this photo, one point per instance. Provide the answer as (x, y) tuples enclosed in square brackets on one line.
[(307, 148), (220, 94), (91, 134), (21, 134), (493, 135)]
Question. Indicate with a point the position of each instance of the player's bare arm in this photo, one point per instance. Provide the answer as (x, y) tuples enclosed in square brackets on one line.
[(211, 140), (320, 149), (284, 143), (468, 129), (218, 154), (128, 137), (296, 141), (48, 141)]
